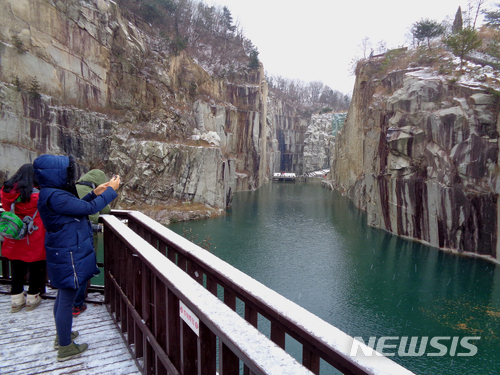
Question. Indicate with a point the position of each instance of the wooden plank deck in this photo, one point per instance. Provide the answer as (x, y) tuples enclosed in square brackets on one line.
[(27, 339)]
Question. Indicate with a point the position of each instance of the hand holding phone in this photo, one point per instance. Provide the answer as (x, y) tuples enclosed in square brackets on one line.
[(115, 182)]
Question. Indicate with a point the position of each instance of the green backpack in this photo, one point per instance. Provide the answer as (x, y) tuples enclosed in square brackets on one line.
[(11, 225)]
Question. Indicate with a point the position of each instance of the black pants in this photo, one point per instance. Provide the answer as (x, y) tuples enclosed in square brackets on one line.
[(37, 270)]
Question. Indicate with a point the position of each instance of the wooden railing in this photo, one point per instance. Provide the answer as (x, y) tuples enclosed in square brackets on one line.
[(145, 291), (151, 273), (171, 323)]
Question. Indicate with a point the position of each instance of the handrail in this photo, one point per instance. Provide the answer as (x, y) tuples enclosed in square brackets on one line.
[(319, 339), (145, 291)]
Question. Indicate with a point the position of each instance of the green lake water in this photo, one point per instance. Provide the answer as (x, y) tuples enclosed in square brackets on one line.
[(313, 246)]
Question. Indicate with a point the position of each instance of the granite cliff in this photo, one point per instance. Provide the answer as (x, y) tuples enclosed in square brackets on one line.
[(83, 78), (419, 154)]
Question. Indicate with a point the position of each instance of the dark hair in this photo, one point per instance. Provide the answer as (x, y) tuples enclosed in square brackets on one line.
[(71, 176), (24, 180)]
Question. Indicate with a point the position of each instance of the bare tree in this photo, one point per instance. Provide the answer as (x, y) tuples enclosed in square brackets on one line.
[(478, 4), (365, 45), (309, 97), (381, 46), (473, 12), (315, 90)]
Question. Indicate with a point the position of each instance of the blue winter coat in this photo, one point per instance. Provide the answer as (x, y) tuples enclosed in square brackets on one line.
[(69, 245)]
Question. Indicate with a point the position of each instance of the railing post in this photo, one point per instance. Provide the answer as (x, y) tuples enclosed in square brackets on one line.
[(207, 351), (132, 225), (159, 314), (162, 247), (137, 302), (251, 316), (128, 288), (181, 262), (229, 363), (173, 329), (146, 289), (211, 285), (310, 360), (171, 255), (189, 350), (108, 245), (229, 299), (277, 335), (119, 272)]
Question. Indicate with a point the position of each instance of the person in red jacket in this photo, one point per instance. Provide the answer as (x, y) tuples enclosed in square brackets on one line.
[(27, 254)]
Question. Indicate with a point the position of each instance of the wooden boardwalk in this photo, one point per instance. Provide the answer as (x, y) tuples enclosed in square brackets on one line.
[(27, 339)]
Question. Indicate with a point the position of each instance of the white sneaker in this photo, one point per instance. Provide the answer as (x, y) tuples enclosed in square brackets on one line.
[(18, 302)]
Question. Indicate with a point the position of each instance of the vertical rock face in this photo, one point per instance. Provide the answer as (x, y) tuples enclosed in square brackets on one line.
[(66, 46), (77, 77), (288, 129), (30, 126), (421, 158), (319, 142)]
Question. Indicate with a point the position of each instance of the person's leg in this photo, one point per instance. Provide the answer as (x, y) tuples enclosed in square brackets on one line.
[(36, 283), (63, 314), (56, 305), (63, 308), (80, 295), (17, 297), (37, 277), (19, 269)]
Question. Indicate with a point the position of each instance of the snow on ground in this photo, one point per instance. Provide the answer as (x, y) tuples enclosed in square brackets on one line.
[(27, 339), (473, 74)]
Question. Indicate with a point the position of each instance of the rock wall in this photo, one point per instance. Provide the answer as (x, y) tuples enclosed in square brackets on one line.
[(30, 126), (319, 142), (420, 155), (287, 132), (78, 77), (66, 46)]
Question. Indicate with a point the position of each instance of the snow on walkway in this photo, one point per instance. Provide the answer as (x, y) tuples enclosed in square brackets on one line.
[(27, 339)]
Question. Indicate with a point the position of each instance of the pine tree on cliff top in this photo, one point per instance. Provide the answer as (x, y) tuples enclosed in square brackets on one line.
[(464, 42), (426, 30), (492, 18)]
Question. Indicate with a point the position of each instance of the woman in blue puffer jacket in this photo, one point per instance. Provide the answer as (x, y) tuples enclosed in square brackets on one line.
[(69, 244)]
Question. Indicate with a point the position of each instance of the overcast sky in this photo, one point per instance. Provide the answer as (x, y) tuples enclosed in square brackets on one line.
[(316, 40)]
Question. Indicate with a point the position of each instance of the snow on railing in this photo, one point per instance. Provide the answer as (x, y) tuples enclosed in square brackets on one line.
[(319, 339), (171, 322)]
